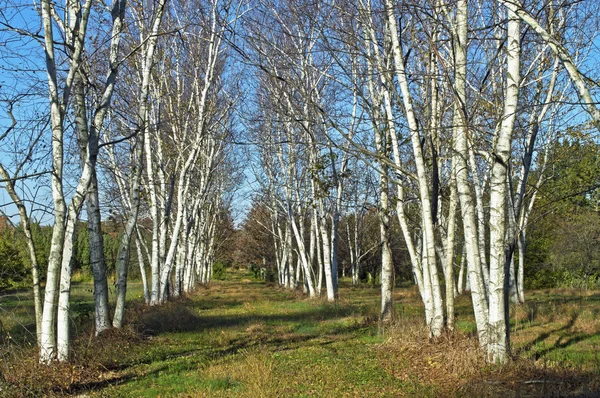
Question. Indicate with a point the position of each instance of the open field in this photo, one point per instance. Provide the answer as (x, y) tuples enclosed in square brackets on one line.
[(240, 337)]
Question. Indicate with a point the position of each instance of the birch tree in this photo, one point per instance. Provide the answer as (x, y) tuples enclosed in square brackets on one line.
[(74, 28), (578, 78), (141, 128), (10, 179)]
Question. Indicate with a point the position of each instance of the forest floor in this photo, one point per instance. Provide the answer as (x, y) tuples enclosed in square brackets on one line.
[(243, 338)]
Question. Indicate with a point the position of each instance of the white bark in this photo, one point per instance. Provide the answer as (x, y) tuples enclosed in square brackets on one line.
[(88, 135), (436, 321), (97, 259), (195, 150), (142, 142), (449, 265), (386, 315), (461, 273), (75, 30), (9, 185), (48, 336), (302, 254), (140, 255), (519, 213), (563, 54), (461, 169), (498, 344)]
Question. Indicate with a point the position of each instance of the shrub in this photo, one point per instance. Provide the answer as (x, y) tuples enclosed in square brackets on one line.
[(219, 272), (13, 272)]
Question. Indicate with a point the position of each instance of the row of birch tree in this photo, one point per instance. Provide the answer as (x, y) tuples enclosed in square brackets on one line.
[(437, 113), (136, 126), (452, 106)]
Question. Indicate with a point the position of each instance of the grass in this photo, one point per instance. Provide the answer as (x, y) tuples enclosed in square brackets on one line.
[(240, 337), (17, 316)]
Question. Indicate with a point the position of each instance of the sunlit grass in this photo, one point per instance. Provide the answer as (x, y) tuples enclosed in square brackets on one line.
[(240, 337), (17, 315)]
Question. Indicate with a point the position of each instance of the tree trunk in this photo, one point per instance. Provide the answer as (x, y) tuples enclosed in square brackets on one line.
[(325, 244), (436, 322), (499, 344), (561, 52), (9, 185), (461, 273), (140, 256), (387, 266), (449, 274), (97, 258), (461, 170)]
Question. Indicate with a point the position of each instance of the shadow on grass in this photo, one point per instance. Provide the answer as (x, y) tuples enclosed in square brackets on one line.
[(183, 319), (274, 332), (570, 297), (540, 384), (566, 337), (97, 385), (543, 336)]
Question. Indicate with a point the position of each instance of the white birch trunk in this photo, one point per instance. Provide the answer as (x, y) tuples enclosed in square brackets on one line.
[(563, 54), (75, 30), (97, 258), (481, 218), (436, 322), (142, 266), (386, 315), (461, 170), (461, 273), (9, 185), (87, 140), (142, 143), (48, 333), (154, 213), (449, 265), (302, 254), (325, 244), (498, 344)]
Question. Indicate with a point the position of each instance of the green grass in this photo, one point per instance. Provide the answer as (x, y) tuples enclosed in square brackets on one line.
[(240, 337), (17, 314)]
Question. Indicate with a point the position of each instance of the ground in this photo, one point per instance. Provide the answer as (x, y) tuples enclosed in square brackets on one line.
[(242, 337)]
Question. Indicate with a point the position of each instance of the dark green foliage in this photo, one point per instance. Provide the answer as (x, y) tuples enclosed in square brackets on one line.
[(219, 271), (112, 241), (563, 245), (575, 175), (576, 249), (42, 239), (263, 273), (13, 271), (15, 263), (81, 249)]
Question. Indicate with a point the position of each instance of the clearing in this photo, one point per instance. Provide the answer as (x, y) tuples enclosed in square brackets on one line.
[(242, 337)]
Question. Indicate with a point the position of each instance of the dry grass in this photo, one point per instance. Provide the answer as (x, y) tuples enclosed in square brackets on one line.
[(252, 369), (241, 338), (455, 365), (94, 364), (446, 363)]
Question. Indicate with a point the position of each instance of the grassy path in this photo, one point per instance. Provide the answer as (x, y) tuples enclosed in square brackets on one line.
[(242, 338)]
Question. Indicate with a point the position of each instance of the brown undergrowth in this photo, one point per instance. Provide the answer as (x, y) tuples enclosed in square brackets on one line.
[(93, 365), (456, 366), (240, 338), (96, 361)]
